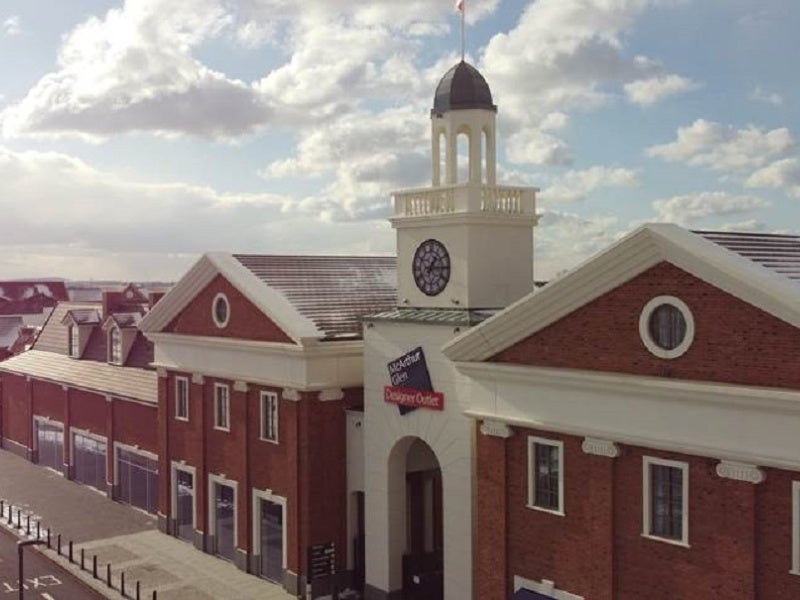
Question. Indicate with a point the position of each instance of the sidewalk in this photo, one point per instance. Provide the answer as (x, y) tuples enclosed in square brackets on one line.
[(123, 536)]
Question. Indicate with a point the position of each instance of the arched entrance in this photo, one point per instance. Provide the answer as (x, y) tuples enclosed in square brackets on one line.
[(418, 500)]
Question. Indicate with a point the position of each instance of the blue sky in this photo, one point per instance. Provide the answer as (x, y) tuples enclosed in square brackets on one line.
[(136, 135)]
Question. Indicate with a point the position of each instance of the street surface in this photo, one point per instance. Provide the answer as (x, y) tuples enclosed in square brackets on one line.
[(44, 580)]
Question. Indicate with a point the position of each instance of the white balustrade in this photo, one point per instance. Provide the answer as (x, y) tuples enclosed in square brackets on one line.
[(465, 198)]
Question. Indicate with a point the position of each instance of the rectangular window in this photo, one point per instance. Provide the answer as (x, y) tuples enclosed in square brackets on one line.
[(221, 407), (665, 507), (546, 475), (182, 398), (74, 347), (269, 416), (114, 346)]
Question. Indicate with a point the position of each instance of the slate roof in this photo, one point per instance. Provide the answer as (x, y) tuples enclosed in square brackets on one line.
[(84, 316), (9, 330), (462, 87), (122, 382), (434, 316), (779, 253), (334, 292)]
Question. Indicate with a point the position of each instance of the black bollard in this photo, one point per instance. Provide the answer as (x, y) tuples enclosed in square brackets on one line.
[(48, 538), (70, 552), (58, 541), (108, 574), (137, 590), (28, 524), (83, 556), (122, 583), (38, 529), (94, 566), (19, 518)]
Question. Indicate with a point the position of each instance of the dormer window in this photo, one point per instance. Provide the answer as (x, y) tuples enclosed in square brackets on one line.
[(74, 342), (114, 346)]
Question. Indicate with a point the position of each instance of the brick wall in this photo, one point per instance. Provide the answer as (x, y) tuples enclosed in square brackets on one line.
[(739, 533), (246, 321), (734, 341)]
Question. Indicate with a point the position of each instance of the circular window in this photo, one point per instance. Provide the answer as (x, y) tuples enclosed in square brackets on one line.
[(220, 310), (666, 327)]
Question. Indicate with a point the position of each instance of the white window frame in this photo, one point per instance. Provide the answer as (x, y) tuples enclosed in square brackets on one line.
[(532, 441), (217, 388), (111, 358), (173, 501), (647, 461), (644, 327), (73, 341), (214, 480), (180, 379), (795, 570), (221, 298), (259, 495), (265, 398)]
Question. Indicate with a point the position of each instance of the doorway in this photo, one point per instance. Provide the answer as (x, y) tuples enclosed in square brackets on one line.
[(224, 521), (183, 503)]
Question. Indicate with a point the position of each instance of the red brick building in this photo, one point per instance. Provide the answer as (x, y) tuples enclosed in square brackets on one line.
[(638, 424), (83, 399), (260, 395)]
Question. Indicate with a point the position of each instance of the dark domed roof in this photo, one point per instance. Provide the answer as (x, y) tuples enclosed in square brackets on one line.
[(462, 87)]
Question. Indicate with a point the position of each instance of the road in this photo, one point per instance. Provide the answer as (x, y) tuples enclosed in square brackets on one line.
[(44, 580)]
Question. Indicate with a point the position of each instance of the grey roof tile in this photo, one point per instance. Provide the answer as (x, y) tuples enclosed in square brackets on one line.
[(779, 253)]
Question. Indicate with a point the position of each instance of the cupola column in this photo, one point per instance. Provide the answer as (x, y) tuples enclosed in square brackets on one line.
[(475, 166), (436, 156), (452, 157), (491, 156)]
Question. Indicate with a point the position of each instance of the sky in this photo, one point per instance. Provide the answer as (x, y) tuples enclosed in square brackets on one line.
[(137, 134)]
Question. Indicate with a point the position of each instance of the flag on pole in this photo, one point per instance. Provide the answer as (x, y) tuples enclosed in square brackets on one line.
[(460, 5)]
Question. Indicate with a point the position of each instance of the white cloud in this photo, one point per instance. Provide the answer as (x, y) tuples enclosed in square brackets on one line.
[(724, 148), (576, 185), (690, 208), (11, 26), (562, 56), (55, 206), (781, 174), (759, 94), (649, 91)]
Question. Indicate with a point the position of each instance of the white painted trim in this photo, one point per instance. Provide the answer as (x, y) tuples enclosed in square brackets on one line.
[(185, 380), (259, 495), (182, 466), (635, 253), (220, 297), (737, 471), (263, 396), (310, 348), (795, 528), (110, 346), (647, 461), (544, 587), (219, 386), (211, 504), (291, 394), (532, 442), (331, 394), (644, 327)]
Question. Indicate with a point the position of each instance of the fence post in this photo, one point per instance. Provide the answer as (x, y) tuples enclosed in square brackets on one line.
[(28, 524), (137, 589), (83, 553), (59, 544), (108, 574), (19, 518), (38, 529), (94, 566), (48, 538), (70, 552), (122, 583)]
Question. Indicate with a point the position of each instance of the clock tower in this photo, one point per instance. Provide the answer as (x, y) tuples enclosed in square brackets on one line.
[(465, 242)]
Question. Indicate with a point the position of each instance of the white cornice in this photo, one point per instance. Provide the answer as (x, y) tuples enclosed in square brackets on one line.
[(634, 440), (632, 255), (290, 394), (496, 429), (460, 218), (311, 349), (673, 390), (331, 394)]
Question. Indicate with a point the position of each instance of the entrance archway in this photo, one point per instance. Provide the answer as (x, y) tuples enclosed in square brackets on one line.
[(419, 533)]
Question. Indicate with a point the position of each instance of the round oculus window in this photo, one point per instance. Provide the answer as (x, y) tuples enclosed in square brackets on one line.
[(666, 327), (220, 310)]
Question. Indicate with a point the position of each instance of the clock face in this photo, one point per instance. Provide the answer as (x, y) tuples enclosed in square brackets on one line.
[(431, 267)]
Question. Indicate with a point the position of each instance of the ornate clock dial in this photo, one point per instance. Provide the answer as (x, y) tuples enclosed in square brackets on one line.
[(431, 267)]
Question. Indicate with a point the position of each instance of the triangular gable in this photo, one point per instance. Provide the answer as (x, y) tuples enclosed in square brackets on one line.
[(632, 255), (132, 294), (246, 320), (273, 306)]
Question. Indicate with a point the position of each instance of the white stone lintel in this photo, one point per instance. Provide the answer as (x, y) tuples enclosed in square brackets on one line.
[(331, 394), (740, 471), (240, 386), (600, 447), (198, 378), (496, 429), (291, 394), (161, 372)]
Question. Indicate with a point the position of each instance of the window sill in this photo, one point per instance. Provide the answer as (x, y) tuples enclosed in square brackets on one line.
[(655, 538), (551, 511), (225, 429), (269, 441), (184, 419), (794, 572)]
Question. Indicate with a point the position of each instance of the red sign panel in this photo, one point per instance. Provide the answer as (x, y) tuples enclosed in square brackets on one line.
[(413, 398)]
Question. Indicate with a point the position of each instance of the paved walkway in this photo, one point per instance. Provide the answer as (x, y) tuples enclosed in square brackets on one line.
[(123, 536)]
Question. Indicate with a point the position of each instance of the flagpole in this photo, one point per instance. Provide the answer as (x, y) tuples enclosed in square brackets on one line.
[(463, 28)]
